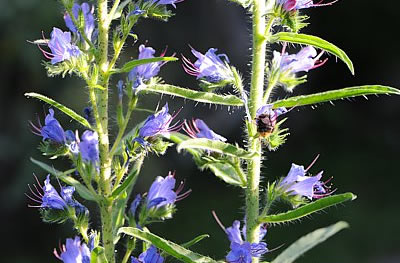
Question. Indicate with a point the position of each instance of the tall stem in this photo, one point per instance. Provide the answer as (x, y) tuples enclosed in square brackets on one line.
[(105, 160), (256, 94)]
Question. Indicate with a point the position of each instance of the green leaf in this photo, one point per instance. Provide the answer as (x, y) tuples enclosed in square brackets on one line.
[(215, 146), (308, 209), (316, 42), (335, 95), (227, 173), (132, 176), (137, 62), (194, 241), (201, 96), (61, 107), (308, 241), (98, 255), (82, 190), (169, 247), (120, 9)]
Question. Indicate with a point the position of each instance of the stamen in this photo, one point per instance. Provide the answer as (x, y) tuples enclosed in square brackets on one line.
[(326, 4), (312, 163), (218, 221)]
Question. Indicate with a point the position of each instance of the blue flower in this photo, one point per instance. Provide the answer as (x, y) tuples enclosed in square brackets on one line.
[(89, 146), (51, 199), (297, 183), (135, 204), (151, 255), (161, 192), (209, 66), (290, 5), (268, 110), (305, 60), (87, 12), (61, 47), (166, 2), (74, 251), (199, 129), (52, 129), (241, 250), (145, 72), (158, 124)]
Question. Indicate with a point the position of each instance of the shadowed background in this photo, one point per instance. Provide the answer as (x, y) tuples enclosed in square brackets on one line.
[(357, 139)]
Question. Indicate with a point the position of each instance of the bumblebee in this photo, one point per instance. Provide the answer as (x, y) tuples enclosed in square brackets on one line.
[(266, 123)]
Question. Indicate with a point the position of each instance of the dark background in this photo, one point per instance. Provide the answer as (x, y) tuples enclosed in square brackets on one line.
[(357, 139)]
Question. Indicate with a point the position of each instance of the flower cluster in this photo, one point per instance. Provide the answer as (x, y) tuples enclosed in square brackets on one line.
[(89, 20)]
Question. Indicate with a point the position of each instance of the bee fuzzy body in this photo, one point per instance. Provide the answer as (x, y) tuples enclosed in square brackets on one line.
[(266, 124)]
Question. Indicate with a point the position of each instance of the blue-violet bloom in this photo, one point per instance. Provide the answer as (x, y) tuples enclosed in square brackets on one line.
[(51, 199), (159, 124), (290, 5), (145, 72), (199, 129), (89, 146), (241, 250), (151, 255), (74, 251), (161, 192), (297, 183), (51, 130), (167, 2), (209, 66), (61, 47), (87, 12), (305, 60)]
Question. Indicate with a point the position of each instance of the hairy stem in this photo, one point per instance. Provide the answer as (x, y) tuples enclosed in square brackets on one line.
[(255, 101), (105, 160)]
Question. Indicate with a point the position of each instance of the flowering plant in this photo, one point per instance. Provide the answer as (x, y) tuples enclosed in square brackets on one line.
[(104, 172)]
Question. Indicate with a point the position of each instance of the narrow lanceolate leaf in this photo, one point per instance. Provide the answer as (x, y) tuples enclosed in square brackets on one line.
[(336, 95), (82, 190), (194, 241), (175, 250), (200, 96), (308, 209), (98, 256), (316, 42), (137, 62), (61, 107), (308, 241), (215, 146), (132, 176)]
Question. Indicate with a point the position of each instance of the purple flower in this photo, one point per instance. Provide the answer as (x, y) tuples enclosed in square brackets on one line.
[(51, 130), (167, 2), (87, 12), (158, 124), (199, 129), (61, 47), (297, 183), (51, 199), (74, 251), (209, 66), (290, 5), (145, 72), (135, 204), (241, 250), (267, 110), (305, 60), (89, 146), (161, 192), (151, 255)]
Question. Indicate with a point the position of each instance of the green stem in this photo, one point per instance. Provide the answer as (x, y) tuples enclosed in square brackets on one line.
[(113, 9), (129, 249), (107, 231), (255, 101), (271, 84), (122, 129)]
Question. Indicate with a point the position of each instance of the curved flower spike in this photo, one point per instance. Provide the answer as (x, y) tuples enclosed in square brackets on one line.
[(198, 129), (87, 12), (209, 66), (74, 251)]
